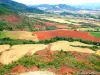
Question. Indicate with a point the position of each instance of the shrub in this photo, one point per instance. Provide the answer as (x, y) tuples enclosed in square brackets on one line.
[(5, 25), (17, 41)]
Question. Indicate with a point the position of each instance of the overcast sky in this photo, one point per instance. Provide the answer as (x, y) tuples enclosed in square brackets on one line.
[(34, 2)]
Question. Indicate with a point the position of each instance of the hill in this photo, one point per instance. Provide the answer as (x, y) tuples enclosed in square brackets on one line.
[(8, 6), (57, 7), (91, 6)]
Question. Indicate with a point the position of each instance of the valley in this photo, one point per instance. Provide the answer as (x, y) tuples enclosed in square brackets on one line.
[(48, 39)]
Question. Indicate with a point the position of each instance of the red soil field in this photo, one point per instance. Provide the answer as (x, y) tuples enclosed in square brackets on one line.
[(65, 70), (38, 26), (59, 26), (13, 18), (21, 69), (46, 55), (33, 68), (48, 23), (18, 69), (46, 35), (81, 57)]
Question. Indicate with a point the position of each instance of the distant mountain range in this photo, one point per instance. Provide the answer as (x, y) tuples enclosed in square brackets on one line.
[(9, 6), (92, 6), (57, 7)]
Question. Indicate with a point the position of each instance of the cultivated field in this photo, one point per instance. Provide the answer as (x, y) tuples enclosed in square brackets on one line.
[(13, 53), (79, 24), (57, 58), (55, 45), (96, 34), (49, 39), (65, 33), (23, 35)]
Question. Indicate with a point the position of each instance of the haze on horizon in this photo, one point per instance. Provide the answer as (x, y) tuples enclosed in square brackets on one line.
[(70, 2)]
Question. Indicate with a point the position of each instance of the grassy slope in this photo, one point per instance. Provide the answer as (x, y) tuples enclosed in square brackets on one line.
[(2, 35)]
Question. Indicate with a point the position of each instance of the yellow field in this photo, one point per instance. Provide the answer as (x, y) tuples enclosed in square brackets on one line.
[(86, 29), (70, 20), (17, 51), (64, 45), (24, 35), (4, 47), (13, 53)]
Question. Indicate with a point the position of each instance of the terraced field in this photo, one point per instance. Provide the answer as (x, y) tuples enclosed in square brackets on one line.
[(35, 52), (57, 58), (45, 35), (60, 40), (55, 50)]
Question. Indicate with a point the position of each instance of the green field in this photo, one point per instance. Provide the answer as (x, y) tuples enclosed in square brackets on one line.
[(6, 35), (2, 34), (96, 34)]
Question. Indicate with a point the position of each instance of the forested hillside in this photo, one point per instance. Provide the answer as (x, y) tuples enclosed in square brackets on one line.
[(9, 6)]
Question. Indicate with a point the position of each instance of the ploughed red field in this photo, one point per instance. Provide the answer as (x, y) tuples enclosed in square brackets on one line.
[(46, 35)]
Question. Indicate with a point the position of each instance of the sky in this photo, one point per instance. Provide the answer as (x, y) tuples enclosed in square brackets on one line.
[(71, 2)]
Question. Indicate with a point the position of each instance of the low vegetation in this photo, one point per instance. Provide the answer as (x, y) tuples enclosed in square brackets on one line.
[(62, 58), (79, 15), (5, 25), (17, 41), (51, 28), (90, 47), (26, 24)]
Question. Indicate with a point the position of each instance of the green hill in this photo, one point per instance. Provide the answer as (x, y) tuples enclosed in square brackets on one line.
[(9, 6)]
